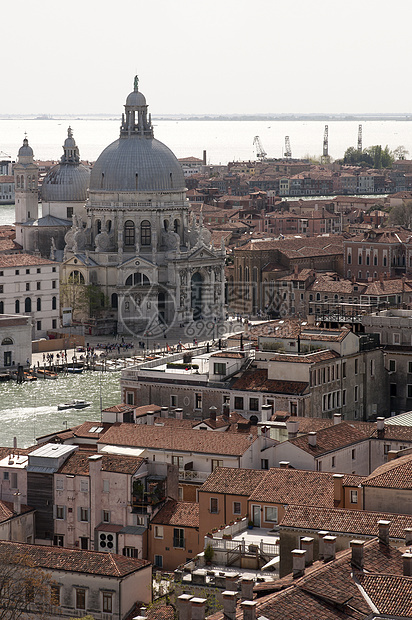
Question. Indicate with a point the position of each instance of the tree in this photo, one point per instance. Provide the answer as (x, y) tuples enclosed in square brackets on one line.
[(24, 587), (401, 215), (373, 156), (400, 152), (85, 300)]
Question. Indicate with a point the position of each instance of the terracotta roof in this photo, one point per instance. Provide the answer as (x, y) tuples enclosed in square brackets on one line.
[(396, 474), (181, 440), (78, 463), (330, 439), (308, 358), (23, 260), (182, 514), (296, 486), (391, 594), (77, 560), (229, 354), (233, 481), (88, 430), (340, 521), (7, 511), (257, 381)]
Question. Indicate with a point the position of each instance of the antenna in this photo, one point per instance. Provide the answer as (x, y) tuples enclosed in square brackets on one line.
[(288, 150), (360, 139), (325, 157)]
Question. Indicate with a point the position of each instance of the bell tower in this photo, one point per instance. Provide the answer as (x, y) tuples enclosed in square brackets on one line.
[(26, 177)]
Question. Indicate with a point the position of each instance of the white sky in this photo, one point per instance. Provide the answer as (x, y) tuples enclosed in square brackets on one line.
[(206, 56)]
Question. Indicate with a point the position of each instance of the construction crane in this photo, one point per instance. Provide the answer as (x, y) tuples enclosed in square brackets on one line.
[(260, 151), (3, 154), (360, 139), (288, 150), (325, 157)]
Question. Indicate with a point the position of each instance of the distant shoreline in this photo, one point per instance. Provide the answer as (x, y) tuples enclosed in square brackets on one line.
[(221, 117)]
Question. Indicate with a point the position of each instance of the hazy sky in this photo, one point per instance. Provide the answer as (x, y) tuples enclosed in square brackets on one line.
[(208, 56)]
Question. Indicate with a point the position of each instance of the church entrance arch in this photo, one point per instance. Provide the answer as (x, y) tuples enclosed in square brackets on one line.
[(196, 296)]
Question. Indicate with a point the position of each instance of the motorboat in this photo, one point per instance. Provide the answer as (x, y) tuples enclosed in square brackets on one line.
[(46, 374), (73, 404)]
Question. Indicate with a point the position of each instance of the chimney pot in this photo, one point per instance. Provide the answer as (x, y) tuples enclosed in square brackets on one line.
[(307, 545), (179, 413), (164, 412), (17, 503), (183, 606), (393, 454), (284, 464), (246, 585), (249, 610), (408, 536), (357, 554), (407, 564), (321, 536), (231, 582), (380, 424), (298, 556), (198, 608), (212, 412), (312, 439), (150, 418), (229, 604), (329, 548), (265, 412), (384, 532), (337, 418)]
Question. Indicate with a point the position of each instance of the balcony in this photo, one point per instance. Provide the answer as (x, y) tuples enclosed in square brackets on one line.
[(189, 475)]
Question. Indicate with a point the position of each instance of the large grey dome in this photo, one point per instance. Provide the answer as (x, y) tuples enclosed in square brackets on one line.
[(137, 163), (66, 183)]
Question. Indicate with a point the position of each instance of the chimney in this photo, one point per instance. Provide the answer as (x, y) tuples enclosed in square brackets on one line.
[(179, 414), (296, 270), (357, 554), (380, 425), (266, 412), (150, 418), (249, 610), (198, 606), (212, 412), (183, 606), (164, 412), (15, 442), (298, 557), (284, 464), (246, 586), (95, 464), (329, 548), (407, 564), (312, 439), (384, 532), (204, 157), (338, 499), (17, 503), (337, 418), (408, 536), (321, 536), (307, 545), (226, 410), (229, 604), (231, 582), (392, 454), (292, 426)]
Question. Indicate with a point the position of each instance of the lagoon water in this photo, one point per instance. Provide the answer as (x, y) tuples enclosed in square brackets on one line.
[(223, 140)]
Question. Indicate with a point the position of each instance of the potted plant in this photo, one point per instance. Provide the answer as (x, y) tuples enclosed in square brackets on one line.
[(209, 553), (250, 525)]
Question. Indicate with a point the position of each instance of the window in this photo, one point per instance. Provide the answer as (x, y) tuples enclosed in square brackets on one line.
[(38, 304), (237, 508), (219, 369), (130, 398), (69, 212), (409, 387), (254, 404), (214, 505), (17, 272), (55, 595), (80, 598), (17, 306), (386, 448), (353, 497), (58, 540), (393, 389), (178, 461), (145, 233), (173, 401), (54, 303), (392, 366), (264, 463), (271, 514), (60, 510), (353, 454), (27, 304), (5, 475), (84, 486), (13, 480), (238, 402), (396, 338), (54, 323), (356, 366), (333, 461), (59, 484), (130, 552), (54, 269), (356, 393), (107, 602), (38, 326), (38, 286), (27, 286), (158, 561), (178, 538), (7, 358), (344, 370), (198, 400), (216, 463), (158, 531), (1, 288), (83, 514), (410, 367), (106, 516), (53, 283), (106, 486)]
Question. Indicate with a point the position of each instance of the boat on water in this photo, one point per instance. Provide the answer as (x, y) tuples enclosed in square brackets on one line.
[(73, 404), (74, 371), (46, 374), (21, 376)]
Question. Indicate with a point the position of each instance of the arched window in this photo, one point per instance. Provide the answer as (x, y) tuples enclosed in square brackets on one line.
[(17, 306), (137, 279), (129, 237), (98, 227), (38, 304), (177, 226), (76, 277), (109, 225), (145, 233), (27, 304), (1, 307), (115, 302), (18, 181), (6, 341), (54, 303)]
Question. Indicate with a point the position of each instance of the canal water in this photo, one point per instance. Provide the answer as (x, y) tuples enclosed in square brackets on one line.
[(29, 410)]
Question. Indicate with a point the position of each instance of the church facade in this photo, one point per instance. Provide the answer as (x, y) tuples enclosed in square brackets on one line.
[(135, 240)]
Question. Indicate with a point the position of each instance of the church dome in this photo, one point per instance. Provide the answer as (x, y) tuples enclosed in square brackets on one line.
[(69, 180), (25, 150), (136, 161)]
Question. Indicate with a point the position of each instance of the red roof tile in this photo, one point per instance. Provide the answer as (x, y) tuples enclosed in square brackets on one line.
[(182, 514)]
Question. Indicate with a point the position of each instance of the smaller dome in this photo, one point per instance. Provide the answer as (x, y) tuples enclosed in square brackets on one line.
[(136, 99), (66, 183), (25, 150)]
